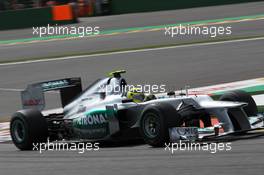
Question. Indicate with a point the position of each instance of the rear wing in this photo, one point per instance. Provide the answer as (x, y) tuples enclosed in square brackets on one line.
[(33, 95)]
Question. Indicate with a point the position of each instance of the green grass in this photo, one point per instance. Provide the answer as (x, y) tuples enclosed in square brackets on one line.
[(261, 109)]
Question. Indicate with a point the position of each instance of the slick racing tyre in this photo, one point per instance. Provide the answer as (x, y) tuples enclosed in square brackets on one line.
[(155, 122), (28, 127), (242, 96)]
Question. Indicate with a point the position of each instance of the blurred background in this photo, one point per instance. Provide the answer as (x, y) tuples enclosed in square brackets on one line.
[(83, 7)]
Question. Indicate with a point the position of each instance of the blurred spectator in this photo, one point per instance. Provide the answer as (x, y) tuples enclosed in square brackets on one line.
[(56, 2), (98, 9), (3, 5), (81, 7), (25, 3)]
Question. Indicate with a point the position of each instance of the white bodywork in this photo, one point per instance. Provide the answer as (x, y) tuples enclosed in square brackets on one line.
[(92, 99)]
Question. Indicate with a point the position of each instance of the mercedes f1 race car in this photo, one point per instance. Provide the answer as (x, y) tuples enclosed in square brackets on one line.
[(107, 111)]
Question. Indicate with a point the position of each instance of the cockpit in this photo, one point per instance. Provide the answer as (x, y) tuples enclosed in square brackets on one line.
[(113, 85)]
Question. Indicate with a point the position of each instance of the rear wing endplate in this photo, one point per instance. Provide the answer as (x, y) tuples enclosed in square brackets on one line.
[(33, 95)]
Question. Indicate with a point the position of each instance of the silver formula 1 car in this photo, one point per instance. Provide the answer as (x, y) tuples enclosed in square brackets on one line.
[(104, 112)]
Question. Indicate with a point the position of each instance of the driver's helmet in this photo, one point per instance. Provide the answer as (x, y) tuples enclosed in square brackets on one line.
[(136, 95)]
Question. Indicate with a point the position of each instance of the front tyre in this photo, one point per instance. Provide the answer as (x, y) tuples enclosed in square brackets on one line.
[(155, 123), (242, 96), (28, 127)]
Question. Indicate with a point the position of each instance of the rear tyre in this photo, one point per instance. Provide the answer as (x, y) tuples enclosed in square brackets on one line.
[(242, 96), (28, 127), (155, 123)]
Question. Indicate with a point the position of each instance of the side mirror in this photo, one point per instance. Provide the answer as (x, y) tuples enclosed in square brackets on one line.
[(102, 95), (84, 99), (127, 100), (171, 93)]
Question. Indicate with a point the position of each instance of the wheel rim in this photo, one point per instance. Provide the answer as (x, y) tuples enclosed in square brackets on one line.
[(150, 125), (18, 130)]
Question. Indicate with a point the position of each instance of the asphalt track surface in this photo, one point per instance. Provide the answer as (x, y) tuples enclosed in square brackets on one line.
[(193, 65), (116, 42), (245, 157), (133, 40)]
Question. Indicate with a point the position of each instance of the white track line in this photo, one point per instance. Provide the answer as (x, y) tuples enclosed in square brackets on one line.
[(131, 51), (19, 90), (11, 90)]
